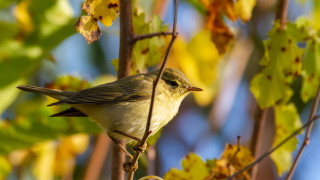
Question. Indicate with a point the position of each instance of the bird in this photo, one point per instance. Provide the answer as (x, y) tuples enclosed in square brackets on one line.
[(121, 107)]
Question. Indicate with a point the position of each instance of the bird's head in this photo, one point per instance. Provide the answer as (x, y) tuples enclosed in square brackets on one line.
[(176, 83)]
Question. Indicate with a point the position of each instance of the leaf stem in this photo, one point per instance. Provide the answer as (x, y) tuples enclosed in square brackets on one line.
[(307, 135), (147, 133)]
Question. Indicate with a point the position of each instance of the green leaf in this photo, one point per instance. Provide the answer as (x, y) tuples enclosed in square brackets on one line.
[(287, 120), (147, 52), (282, 61), (5, 4), (311, 70), (33, 124), (193, 168)]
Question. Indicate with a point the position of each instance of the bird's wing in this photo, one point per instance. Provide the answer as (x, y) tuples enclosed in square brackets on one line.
[(132, 88)]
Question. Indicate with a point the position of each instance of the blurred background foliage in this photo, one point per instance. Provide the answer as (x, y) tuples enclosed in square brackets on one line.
[(219, 50)]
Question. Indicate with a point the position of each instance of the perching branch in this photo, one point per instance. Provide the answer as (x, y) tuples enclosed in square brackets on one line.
[(307, 135), (133, 163), (125, 51), (275, 148)]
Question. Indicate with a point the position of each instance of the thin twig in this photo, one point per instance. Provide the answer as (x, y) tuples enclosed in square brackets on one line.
[(125, 51), (147, 131), (307, 135), (151, 35), (234, 155), (275, 148), (236, 152), (281, 13), (257, 138)]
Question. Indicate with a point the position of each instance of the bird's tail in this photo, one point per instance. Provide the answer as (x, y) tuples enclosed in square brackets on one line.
[(59, 95)]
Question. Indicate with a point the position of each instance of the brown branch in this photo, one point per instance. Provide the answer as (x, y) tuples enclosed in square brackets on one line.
[(147, 133), (126, 38), (296, 132), (281, 13), (151, 35), (257, 138), (307, 135), (97, 158), (125, 51)]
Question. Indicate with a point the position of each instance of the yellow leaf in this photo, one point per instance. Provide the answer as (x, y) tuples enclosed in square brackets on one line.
[(231, 162), (105, 11), (43, 164), (22, 15), (287, 120), (199, 61), (193, 168), (88, 27), (66, 153), (244, 9), (5, 168)]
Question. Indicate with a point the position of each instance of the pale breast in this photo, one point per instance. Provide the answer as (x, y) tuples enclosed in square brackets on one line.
[(131, 117)]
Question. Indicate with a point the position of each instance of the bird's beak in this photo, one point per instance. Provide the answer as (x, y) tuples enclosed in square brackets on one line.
[(192, 88)]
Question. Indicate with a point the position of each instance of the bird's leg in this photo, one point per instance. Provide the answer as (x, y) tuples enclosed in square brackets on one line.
[(126, 166), (127, 135), (138, 148), (122, 148)]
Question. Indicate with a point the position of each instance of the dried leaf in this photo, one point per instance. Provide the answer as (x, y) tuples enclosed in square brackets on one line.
[(230, 162), (221, 35), (105, 11), (88, 27)]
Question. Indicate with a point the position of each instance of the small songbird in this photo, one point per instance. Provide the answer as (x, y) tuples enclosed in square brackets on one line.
[(121, 107)]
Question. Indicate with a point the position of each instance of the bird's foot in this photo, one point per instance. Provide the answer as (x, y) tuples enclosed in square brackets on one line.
[(138, 148), (127, 166)]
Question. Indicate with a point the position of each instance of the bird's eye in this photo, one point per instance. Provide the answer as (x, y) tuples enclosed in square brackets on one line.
[(172, 83)]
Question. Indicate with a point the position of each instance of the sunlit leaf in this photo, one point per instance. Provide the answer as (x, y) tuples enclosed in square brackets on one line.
[(33, 124), (198, 59), (69, 147), (147, 52), (230, 162), (105, 11), (23, 16), (244, 9), (45, 157), (282, 61), (287, 120), (5, 167), (20, 54), (311, 70), (8, 94), (193, 168)]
